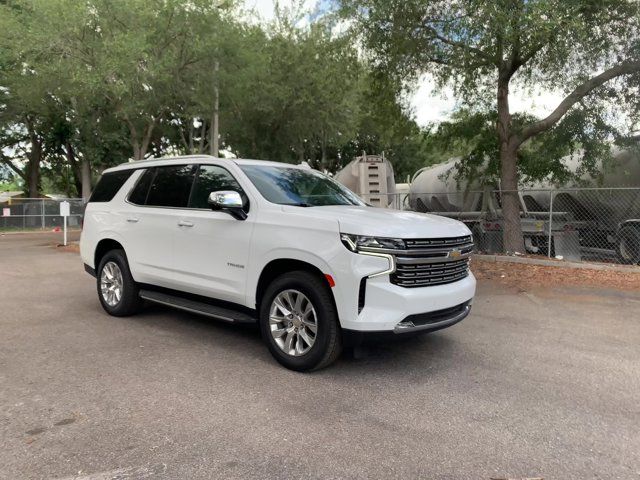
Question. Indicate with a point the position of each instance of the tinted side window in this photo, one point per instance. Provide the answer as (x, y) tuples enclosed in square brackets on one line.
[(109, 185), (139, 193), (210, 179), (171, 186)]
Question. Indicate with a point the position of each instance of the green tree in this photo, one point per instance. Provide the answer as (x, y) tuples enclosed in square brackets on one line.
[(26, 109), (87, 85), (297, 96), (384, 125), (484, 47), (77, 73)]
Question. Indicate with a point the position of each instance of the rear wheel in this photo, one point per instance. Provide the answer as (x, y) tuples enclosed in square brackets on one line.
[(117, 291), (629, 245), (299, 322)]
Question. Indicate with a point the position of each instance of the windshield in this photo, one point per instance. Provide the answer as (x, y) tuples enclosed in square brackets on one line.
[(295, 186)]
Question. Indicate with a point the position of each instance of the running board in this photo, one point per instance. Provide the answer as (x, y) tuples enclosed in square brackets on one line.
[(194, 306)]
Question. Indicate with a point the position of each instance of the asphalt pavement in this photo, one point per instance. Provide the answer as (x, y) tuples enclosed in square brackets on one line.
[(535, 383)]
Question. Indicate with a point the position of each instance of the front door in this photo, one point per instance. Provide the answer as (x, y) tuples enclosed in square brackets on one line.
[(212, 247)]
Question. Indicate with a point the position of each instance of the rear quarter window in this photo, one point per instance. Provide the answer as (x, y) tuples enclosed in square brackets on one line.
[(109, 185)]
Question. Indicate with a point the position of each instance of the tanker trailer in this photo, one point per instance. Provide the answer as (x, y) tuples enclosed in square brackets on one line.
[(606, 205), (476, 202), (436, 189), (371, 177)]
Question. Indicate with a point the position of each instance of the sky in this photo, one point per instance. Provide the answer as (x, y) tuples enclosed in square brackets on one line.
[(428, 105)]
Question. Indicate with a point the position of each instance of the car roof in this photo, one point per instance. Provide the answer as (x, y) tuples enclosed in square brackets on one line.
[(181, 159)]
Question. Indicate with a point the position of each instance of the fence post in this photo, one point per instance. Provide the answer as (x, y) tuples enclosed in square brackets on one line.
[(550, 223), (42, 201)]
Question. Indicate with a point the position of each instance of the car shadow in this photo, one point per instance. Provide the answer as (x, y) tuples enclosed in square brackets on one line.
[(409, 354), (396, 355)]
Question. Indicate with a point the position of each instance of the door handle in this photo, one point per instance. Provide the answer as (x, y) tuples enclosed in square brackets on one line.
[(133, 220), (184, 223)]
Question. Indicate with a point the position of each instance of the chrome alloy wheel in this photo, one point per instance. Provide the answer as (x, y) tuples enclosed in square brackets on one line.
[(111, 284), (293, 322)]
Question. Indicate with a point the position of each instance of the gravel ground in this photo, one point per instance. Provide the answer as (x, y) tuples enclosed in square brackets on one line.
[(532, 276), (536, 382)]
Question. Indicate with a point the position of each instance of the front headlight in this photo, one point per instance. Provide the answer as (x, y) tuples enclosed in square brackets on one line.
[(359, 242)]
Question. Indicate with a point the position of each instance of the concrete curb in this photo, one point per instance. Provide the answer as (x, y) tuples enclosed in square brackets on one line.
[(558, 263), (38, 232)]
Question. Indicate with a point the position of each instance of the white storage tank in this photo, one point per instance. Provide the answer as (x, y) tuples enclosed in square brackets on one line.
[(371, 177)]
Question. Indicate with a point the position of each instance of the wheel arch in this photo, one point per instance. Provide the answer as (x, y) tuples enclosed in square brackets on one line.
[(103, 246), (279, 266)]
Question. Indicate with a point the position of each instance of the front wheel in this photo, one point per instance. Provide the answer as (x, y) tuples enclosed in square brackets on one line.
[(299, 322)]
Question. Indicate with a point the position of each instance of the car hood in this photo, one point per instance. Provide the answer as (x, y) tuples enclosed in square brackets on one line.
[(382, 222)]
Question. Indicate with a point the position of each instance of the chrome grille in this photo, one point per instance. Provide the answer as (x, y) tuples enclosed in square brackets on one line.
[(438, 242), (429, 262)]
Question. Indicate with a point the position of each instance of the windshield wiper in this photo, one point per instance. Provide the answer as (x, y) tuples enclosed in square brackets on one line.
[(298, 204)]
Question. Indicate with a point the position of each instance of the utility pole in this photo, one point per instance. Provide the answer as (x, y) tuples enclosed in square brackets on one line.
[(213, 139)]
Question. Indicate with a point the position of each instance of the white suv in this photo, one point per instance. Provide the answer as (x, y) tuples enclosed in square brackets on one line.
[(284, 246)]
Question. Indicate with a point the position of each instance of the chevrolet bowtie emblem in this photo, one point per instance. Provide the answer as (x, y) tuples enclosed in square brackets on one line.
[(454, 253)]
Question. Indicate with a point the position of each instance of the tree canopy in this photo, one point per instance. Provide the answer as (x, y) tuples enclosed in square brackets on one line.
[(87, 85), (588, 49)]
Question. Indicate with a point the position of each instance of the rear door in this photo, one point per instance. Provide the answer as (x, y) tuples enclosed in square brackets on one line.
[(212, 247), (154, 209)]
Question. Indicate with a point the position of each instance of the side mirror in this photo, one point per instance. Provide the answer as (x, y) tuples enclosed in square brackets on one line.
[(227, 201)]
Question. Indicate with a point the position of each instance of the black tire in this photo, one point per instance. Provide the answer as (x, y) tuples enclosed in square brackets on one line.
[(130, 301), (328, 340), (628, 246)]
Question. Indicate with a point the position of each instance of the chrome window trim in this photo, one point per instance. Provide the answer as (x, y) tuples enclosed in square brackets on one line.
[(126, 200)]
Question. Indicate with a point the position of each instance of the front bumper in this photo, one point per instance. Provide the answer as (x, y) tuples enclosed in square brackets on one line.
[(432, 321), (429, 322), (354, 338), (381, 305), (389, 307)]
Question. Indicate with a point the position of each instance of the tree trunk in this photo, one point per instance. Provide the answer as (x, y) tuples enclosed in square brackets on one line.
[(510, 200), (323, 157), (213, 143), (141, 145), (34, 175), (203, 135), (191, 152), (75, 170), (512, 235), (33, 169), (86, 178), (137, 151)]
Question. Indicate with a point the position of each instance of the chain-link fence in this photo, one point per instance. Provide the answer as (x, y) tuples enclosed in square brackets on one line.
[(600, 224), (24, 214)]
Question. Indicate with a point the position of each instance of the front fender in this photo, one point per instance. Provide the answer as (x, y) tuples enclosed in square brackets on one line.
[(285, 254)]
